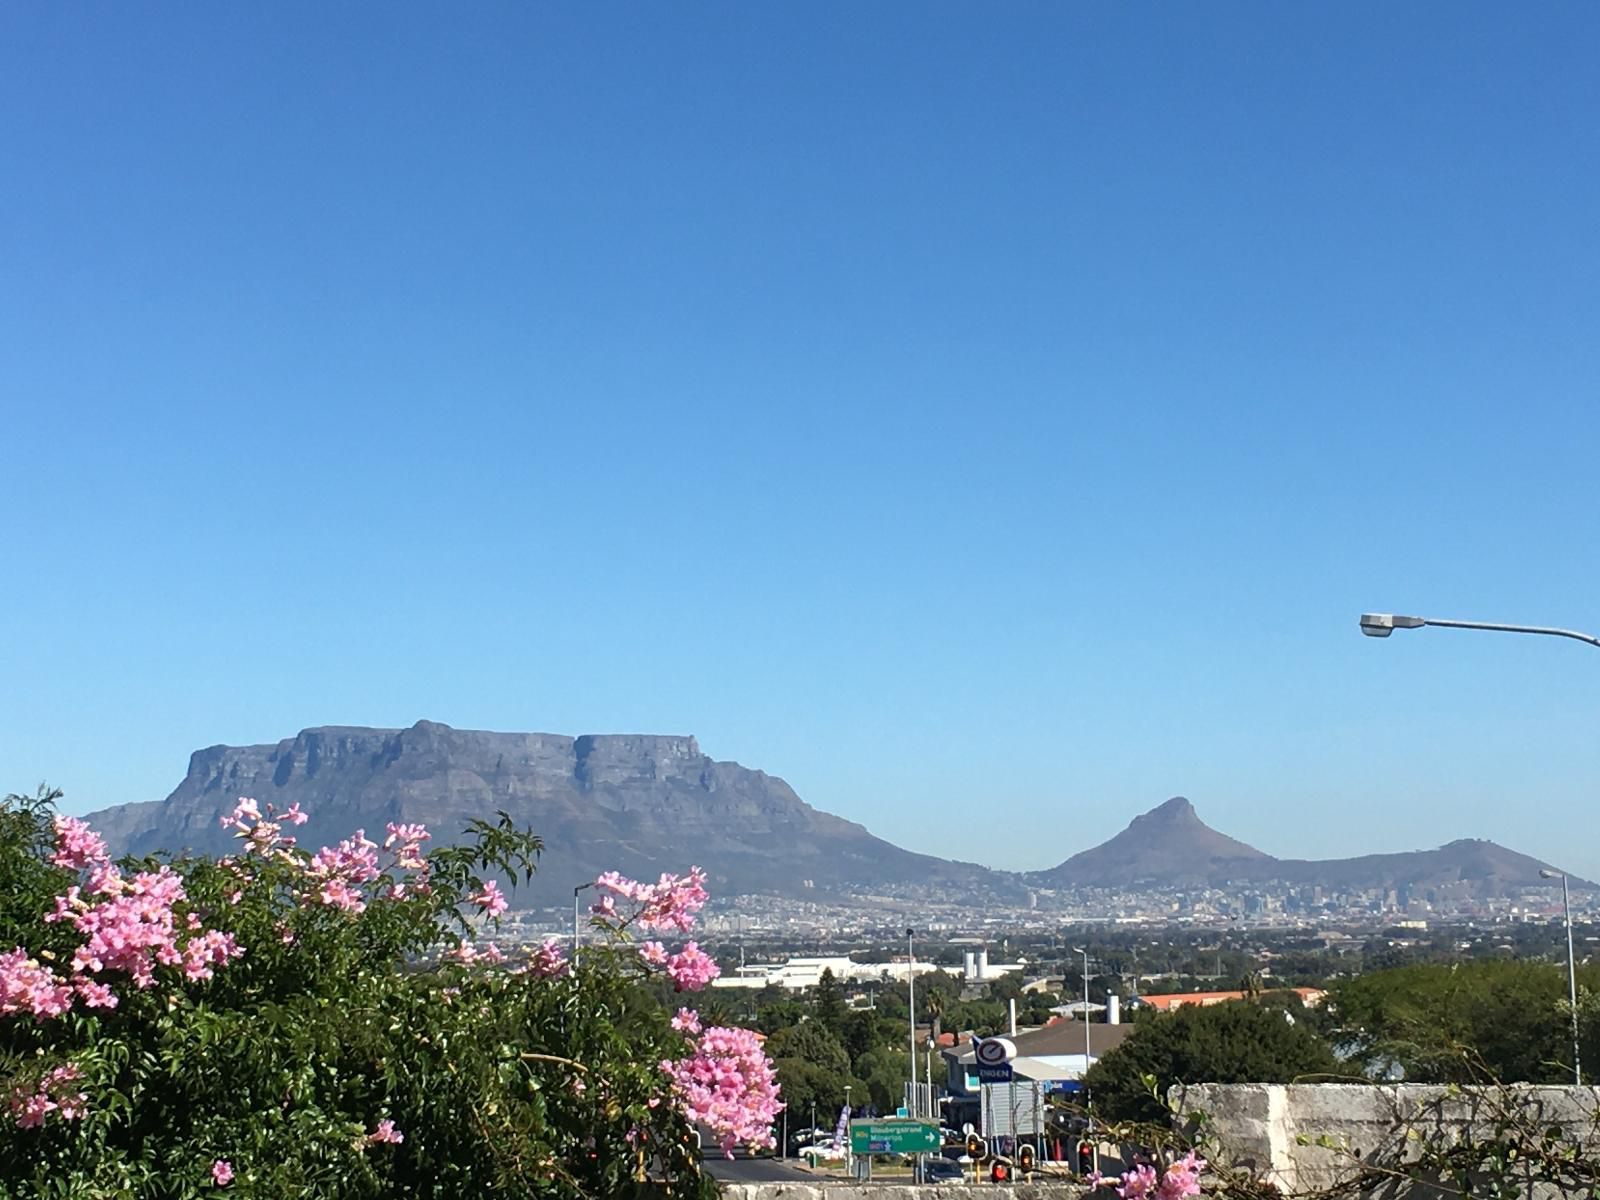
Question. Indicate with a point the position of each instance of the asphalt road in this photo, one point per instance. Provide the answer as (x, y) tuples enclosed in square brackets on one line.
[(741, 1168)]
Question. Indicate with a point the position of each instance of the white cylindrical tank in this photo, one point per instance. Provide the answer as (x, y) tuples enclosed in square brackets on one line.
[(983, 964), (1113, 1010), (971, 966)]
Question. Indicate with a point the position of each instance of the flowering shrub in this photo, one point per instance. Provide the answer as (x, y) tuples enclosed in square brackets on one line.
[(286, 1023), (1180, 1180)]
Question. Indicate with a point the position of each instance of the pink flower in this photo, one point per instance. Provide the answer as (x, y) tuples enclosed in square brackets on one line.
[(1180, 1180), (727, 1084), (222, 1172), (77, 846), (28, 987), (294, 816), (692, 968), (668, 904), (547, 961), (490, 900), (653, 953), (385, 1132), (52, 1094), (94, 995), (686, 1021)]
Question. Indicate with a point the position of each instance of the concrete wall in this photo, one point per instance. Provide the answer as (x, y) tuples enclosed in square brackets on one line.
[(1273, 1128)]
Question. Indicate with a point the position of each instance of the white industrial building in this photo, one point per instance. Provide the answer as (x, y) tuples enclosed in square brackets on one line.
[(796, 974)]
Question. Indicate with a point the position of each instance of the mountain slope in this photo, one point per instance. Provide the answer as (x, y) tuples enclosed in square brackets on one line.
[(639, 804), (1171, 846)]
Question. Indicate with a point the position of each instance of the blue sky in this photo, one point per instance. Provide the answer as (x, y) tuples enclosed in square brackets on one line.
[(990, 419)]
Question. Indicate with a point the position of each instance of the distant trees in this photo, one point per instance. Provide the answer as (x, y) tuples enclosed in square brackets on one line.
[(1236, 1042), (828, 1005), (1460, 1022)]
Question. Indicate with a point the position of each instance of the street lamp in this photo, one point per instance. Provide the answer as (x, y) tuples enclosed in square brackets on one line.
[(849, 1149), (1572, 968), (1383, 624), (911, 1003), (1084, 1079), (576, 892)]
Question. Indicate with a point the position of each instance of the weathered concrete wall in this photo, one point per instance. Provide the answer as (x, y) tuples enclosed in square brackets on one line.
[(1276, 1128)]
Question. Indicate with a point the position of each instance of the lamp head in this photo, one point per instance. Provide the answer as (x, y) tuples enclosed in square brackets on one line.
[(1383, 624), (1547, 873)]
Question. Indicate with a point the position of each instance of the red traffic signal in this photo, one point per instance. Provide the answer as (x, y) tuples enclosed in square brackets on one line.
[(977, 1150)]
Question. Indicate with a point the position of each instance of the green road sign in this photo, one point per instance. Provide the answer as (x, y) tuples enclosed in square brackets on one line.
[(894, 1137)]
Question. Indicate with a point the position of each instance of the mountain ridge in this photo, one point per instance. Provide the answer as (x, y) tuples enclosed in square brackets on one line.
[(639, 803), (1171, 846), (644, 803)]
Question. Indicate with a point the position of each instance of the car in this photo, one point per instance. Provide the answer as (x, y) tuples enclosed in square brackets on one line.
[(942, 1170)]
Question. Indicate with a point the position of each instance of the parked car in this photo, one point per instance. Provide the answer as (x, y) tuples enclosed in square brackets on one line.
[(942, 1170)]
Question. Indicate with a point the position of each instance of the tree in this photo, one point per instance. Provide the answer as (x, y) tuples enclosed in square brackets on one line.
[(1236, 1042), (810, 1043), (1463, 1022), (289, 1024), (828, 1006)]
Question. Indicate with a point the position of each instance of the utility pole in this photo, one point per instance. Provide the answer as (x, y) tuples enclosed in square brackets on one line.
[(582, 887), (1572, 972)]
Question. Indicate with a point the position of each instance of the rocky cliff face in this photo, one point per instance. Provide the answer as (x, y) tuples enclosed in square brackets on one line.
[(641, 804)]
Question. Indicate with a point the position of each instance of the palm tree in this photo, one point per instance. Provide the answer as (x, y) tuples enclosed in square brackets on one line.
[(935, 1006)]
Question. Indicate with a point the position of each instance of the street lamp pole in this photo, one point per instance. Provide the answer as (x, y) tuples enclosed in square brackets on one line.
[(849, 1148), (1572, 971), (1382, 625), (1084, 1079), (576, 892), (911, 1003)]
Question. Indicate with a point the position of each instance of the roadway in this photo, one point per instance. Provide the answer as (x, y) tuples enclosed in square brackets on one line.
[(742, 1168)]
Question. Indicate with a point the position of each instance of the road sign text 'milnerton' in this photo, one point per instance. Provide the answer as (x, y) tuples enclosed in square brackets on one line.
[(894, 1137)]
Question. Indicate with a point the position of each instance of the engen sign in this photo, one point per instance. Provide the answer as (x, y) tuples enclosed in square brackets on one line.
[(992, 1059)]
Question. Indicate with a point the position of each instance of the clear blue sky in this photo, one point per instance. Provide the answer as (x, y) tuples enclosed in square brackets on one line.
[(992, 420)]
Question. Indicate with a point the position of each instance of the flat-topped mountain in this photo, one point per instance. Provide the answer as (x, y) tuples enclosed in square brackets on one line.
[(640, 804), (1171, 846)]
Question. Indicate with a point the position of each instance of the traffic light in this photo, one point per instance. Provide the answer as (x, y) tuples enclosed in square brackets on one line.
[(977, 1150), (1025, 1158)]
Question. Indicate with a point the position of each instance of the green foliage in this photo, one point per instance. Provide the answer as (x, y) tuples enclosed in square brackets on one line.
[(811, 1043), (828, 1006), (1436, 1023), (1235, 1042), (501, 1083)]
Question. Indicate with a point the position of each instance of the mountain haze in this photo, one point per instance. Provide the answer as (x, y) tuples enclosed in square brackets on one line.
[(1170, 845), (647, 803), (640, 804)]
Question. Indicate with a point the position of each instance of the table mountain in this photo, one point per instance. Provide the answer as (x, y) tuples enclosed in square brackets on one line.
[(640, 804)]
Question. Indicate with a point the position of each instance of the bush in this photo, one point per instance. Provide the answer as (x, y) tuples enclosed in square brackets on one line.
[(1235, 1042), (287, 1024)]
